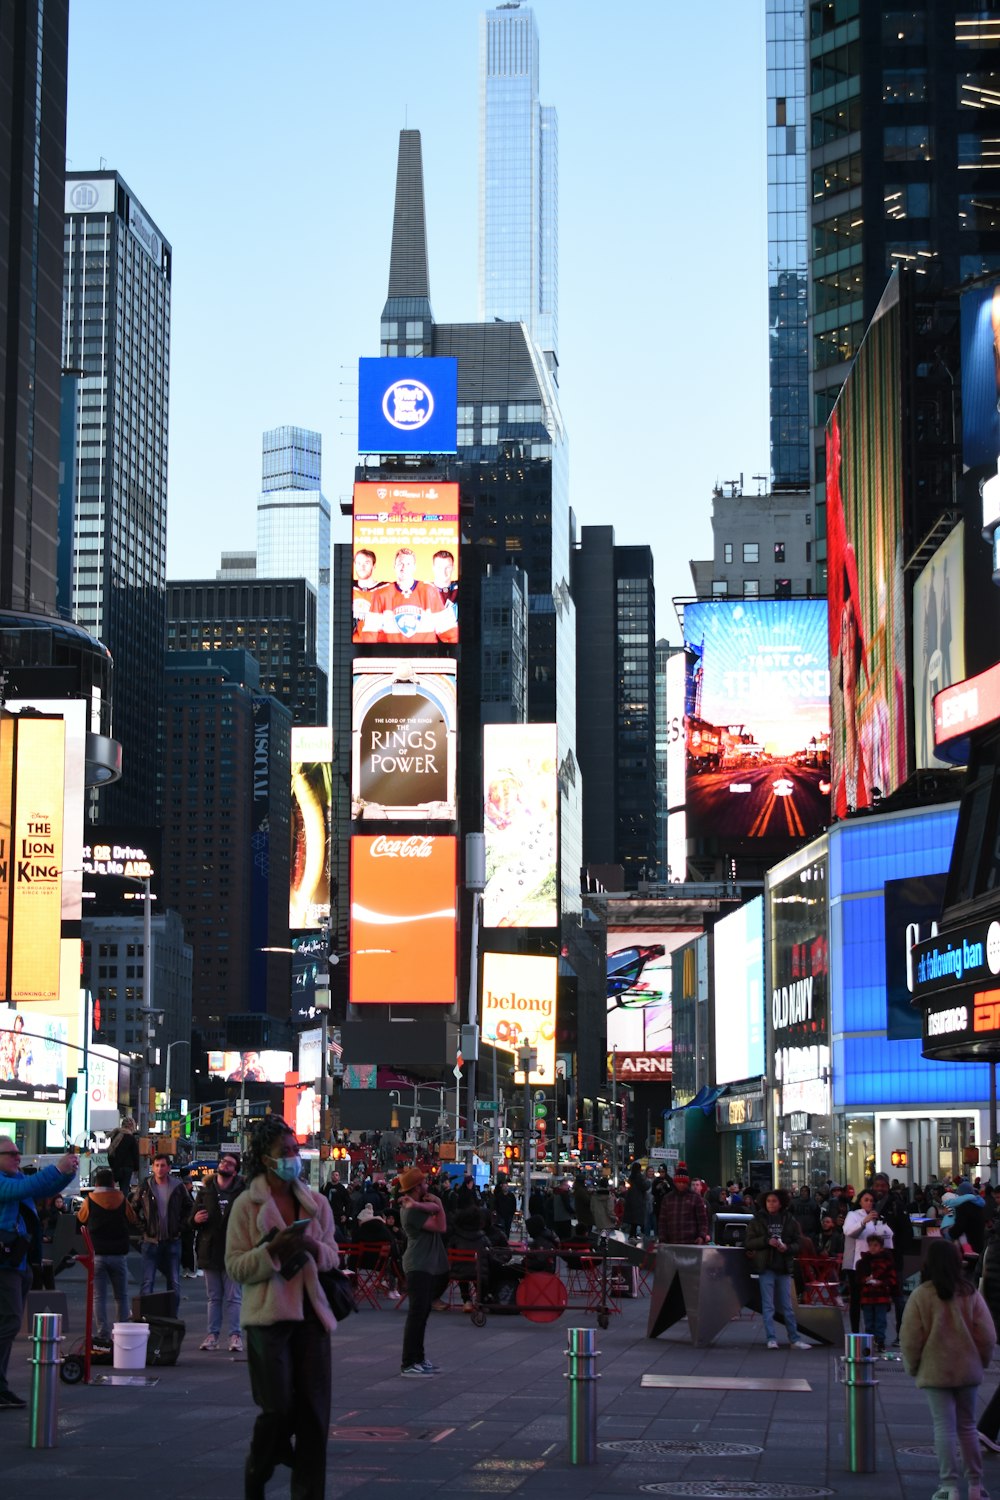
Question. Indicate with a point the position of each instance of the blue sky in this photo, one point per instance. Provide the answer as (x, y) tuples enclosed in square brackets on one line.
[(262, 141)]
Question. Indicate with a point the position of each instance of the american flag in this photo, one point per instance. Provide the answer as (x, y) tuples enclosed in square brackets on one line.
[(335, 1047)]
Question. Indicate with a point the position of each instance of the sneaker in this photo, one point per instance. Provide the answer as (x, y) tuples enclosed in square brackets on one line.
[(211, 1342), (800, 1344), (393, 1295), (417, 1371), (428, 1368), (11, 1402), (990, 1443), (772, 1343), (439, 1306), (235, 1344)]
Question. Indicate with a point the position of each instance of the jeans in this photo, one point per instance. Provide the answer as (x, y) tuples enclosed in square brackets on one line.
[(422, 1288), (165, 1256), (772, 1282), (14, 1287), (110, 1271), (953, 1409), (989, 1417), (222, 1291), (876, 1320), (290, 1379)]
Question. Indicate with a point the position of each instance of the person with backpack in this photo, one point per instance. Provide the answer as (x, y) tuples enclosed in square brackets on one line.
[(109, 1217), (123, 1155)]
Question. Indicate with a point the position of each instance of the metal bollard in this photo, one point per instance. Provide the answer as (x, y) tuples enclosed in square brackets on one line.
[(858, 1375), (43, 1412), (582, 1410)]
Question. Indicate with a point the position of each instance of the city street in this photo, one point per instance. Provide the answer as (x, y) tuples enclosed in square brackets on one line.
[(493, 1422)]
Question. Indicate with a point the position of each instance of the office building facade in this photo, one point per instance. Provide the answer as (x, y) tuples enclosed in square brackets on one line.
[(787, 242), (763, 545), (115, 972), (116, 333), (293, 522), (518, 181)]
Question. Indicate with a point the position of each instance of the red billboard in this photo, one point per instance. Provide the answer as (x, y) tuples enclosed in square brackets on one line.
[(406, 556), (403, 919)]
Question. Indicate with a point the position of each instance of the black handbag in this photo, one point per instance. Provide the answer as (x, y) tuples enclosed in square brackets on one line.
[(339, 1292)]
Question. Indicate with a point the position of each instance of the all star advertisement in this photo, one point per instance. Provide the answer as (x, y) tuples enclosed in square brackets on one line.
[(521, 805), (407, 405), (758, 724), (406, 561), (33, 1055), (404, 739), (312, 781), (519, 1009)]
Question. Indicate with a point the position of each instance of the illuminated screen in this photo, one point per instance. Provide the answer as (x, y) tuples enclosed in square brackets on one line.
[(250, 1067), (799, 977), (520, 821), (116, 862), (33, 1055), (36, 862), (309, 897), (519, 1009), (758, 723), (938, 639), (676, 675), (980, 377), (640, 1008), (403, 900), (407, 405), (404, 737), (406, 558), (309, 960), (864, 511), (739, 994), (310, 1054), (102, 1080)]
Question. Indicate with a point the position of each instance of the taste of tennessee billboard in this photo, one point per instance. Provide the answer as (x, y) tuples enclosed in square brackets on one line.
[(521, 789), (404, 738), (407, 405), (519, 1009), (758, 722), (403, 919), (406, 557)]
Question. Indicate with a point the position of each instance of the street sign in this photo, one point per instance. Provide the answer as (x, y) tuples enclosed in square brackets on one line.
[(457, 1069), (539, 1096), (487, 1106), (168, 1114), (541, 1111)]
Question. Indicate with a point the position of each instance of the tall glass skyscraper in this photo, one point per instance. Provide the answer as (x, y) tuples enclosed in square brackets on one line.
[(116, 330), (293, 520), (787, 242), (518, 181)]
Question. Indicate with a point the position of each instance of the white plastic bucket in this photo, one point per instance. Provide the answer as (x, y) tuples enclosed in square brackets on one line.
[(130, 1340)]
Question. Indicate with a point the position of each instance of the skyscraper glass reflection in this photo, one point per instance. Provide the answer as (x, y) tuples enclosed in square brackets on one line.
[(293, 520)]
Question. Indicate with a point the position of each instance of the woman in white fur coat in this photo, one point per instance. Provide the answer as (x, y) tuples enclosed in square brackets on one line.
[(280, 1236)]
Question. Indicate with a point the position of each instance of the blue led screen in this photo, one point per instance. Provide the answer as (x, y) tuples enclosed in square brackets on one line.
[(407, 405)]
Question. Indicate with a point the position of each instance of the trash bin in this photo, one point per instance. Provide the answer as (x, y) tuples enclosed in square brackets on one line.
[(129, 1340), (165, 1338)]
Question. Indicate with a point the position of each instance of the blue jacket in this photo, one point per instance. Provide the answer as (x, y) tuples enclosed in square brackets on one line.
[(14, 1190)]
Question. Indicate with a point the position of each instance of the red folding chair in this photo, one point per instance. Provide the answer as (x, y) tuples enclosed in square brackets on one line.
[(369, 1264)]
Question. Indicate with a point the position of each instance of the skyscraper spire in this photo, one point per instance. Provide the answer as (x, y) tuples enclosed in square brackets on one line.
[(409, 279)]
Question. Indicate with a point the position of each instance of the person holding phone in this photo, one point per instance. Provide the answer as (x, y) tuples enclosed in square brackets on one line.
[(773, 1241), (862, 1224), (279, 1238)]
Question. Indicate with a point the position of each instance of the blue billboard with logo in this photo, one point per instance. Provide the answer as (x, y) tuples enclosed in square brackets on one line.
[(407, 405)]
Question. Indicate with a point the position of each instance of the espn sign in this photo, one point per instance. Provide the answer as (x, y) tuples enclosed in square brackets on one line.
[(642, 1067), (986, 1011)]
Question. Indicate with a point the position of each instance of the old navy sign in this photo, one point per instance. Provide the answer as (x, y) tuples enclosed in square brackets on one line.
[(643, 1067), (965, 955), (407, 405)]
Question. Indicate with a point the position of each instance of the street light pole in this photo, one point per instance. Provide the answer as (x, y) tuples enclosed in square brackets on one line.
[(147, 1005), (475, 881), (181, 1042)]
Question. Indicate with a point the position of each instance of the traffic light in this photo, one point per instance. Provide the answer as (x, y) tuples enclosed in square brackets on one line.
[(206, 1114), (517, 1152), (508, 1152), (175, 1129), (227, 1118)]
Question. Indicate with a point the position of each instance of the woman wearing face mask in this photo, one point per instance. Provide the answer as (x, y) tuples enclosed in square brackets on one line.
[(280, 1237)]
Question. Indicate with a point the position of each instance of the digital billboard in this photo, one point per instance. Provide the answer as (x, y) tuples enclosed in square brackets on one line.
[(116, 862), (312, 773), (33, 1054), (980, 340), (404, 739), (519, 1009), (938, 639), (407, 405), (912, 913), (799, 981), (405, 589), (866, 595), (521, 809), (640, 1008), (676, 688), (758, 722), (403, 899), (740, 1043), (33, 797), (250, 1067)]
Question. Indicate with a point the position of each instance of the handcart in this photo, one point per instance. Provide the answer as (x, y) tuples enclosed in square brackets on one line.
[(76, 1364), (580, 1278)]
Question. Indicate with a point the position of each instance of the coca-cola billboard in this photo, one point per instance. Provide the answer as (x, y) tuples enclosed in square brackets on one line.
[(403, 919), (403, 740)]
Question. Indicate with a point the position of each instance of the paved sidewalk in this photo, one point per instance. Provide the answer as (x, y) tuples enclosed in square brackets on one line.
[(494, 1422)]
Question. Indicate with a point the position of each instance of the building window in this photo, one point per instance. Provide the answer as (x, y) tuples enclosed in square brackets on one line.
[(751, 588), (751, 552), (779, 552), (720, 586), (727, 552)]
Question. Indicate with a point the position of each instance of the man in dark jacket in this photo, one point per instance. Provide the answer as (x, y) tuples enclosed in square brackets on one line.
[(211, 1217), (806, 1210), (683, 1215), (108, 1216), (123, 1154), (893, 1207), (163, 1206)]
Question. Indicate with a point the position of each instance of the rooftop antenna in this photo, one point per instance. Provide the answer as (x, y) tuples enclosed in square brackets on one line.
[(761, 480)]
